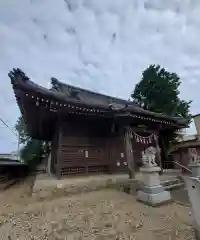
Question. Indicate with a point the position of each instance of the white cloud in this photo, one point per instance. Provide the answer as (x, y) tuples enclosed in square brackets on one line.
[(101, 45), (193, 81)]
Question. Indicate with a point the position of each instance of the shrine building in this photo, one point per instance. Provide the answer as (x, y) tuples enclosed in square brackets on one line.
[(89, 132)]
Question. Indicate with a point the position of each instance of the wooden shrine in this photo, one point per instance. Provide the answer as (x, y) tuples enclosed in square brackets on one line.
[(89, 132)]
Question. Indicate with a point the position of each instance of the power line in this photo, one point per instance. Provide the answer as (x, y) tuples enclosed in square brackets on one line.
[(8, 126), (2, 126), (17, 135)]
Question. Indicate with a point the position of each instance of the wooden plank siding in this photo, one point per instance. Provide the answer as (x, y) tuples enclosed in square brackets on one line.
[(118, 162), (82, 149), (89, 148)]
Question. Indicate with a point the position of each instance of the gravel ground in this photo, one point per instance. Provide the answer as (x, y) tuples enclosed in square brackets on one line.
[(105, 214)]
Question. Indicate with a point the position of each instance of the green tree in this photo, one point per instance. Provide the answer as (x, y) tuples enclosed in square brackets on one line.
[(158, 91), (20, 126), (33, 150)]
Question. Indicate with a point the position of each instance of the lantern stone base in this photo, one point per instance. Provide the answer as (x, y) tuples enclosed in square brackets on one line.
[(195, 169), (154, 200), (152, 192)]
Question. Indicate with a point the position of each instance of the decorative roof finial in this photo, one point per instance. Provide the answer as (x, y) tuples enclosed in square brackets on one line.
[(17, 75)]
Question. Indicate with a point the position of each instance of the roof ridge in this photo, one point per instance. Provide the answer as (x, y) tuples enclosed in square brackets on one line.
[(56, 81)]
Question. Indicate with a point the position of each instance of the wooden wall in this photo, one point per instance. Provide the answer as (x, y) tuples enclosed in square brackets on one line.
[(181, 156), (118, 162), (81, 147), (87, 147)]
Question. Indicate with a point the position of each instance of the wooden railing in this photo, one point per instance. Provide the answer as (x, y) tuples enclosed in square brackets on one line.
[(168, 165), (182, 166)]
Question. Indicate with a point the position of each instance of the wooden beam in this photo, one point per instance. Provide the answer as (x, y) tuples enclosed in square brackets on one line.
[(129, 151), (140, 129)]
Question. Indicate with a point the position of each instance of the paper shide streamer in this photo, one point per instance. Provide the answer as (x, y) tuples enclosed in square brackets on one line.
[(144, 140)]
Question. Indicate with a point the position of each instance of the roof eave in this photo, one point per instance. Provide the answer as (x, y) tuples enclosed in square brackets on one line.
[(20, 81)]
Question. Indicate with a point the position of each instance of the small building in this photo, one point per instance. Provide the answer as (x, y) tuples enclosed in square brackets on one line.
[(11, 168), (187, 145), (89, 132), (9, 156)]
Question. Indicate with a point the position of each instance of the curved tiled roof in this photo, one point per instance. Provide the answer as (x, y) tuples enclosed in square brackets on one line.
[(75, 95)]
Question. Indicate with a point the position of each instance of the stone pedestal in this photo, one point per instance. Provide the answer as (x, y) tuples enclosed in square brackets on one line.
[(195, 167), (152, 192), (193, 187)]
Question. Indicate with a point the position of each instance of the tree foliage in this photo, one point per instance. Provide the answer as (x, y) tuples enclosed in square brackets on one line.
[(20, 126), (158, 91), (33, 150)]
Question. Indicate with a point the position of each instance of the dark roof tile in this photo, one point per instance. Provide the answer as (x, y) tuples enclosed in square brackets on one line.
[(71, 94)]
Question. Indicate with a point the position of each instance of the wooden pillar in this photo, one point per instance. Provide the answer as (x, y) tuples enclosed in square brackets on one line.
[(158, 152), (129, 151), (108, 150), (58, 155)]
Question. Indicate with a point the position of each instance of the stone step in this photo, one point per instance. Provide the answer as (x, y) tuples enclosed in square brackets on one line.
[(170, 182), (173, 183), (174, 179), (174, 186)]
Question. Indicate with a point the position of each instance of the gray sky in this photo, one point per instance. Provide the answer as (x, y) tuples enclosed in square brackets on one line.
[(102, 45)]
